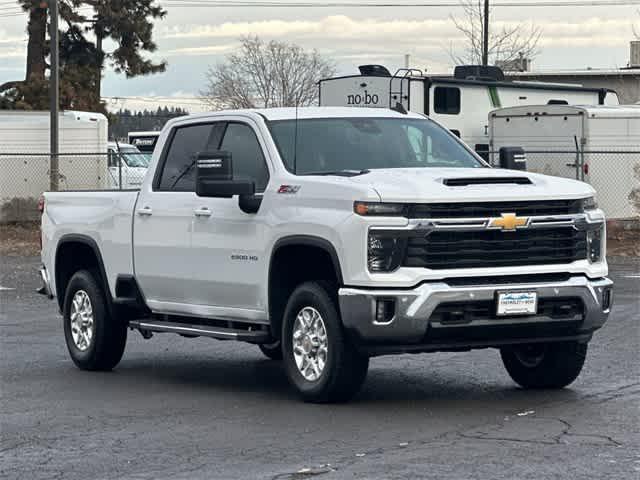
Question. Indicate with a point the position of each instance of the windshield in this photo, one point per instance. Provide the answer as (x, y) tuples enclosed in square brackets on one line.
[(135, 158), (337, 144)]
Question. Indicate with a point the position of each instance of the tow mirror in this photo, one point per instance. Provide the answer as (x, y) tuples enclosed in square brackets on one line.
[(214, 176), (513, 158)]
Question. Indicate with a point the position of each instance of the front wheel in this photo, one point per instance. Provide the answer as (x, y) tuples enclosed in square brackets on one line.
[(545, 365), (320, 361)]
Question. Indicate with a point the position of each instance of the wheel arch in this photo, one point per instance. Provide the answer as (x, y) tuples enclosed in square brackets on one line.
[(86, 254), (316, 251)]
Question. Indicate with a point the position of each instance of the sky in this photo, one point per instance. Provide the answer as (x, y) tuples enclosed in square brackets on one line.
[(191, 39)]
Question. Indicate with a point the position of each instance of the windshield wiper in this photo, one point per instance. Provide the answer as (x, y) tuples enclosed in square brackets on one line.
[(340, 173)]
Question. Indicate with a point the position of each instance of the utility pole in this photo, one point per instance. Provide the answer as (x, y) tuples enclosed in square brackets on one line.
[(485, 35), (54, 99)]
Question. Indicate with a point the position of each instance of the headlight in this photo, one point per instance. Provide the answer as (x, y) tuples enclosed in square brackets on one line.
[(589, 204), (594, 245), (380, 209), (385, 250)]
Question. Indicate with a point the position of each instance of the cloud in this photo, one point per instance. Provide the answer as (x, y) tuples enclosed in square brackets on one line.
[(341, 34)]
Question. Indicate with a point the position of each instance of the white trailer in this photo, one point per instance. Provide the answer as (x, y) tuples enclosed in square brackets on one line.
[(461, 103), (592, 143), (25, 162)]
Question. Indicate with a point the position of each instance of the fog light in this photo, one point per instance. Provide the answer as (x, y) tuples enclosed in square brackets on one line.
[(385, 311), (594, 245)]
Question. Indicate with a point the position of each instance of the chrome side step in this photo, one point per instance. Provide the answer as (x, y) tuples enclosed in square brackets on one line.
[(253, 336)]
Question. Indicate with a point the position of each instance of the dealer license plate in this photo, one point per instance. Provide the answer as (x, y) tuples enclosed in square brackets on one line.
[(517, 303)]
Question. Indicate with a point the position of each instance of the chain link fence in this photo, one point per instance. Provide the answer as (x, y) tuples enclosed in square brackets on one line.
[(24, 176), (615, 174)]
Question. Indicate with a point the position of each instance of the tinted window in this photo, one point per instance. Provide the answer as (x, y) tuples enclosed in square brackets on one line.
[(336, 144), (246, 154), (446, 100), (179, 173)]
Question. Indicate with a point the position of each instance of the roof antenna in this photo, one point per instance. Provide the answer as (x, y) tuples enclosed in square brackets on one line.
[(398, 107), (295, 143)]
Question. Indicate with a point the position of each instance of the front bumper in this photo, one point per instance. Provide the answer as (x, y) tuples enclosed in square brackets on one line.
[(412, 323)]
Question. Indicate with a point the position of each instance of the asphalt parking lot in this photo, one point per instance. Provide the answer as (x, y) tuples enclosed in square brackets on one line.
[(177, 408)]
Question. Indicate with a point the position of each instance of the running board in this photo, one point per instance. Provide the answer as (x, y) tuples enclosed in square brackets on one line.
[(253, 336)]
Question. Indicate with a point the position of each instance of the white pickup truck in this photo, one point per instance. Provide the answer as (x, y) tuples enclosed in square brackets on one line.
[(327, 236)]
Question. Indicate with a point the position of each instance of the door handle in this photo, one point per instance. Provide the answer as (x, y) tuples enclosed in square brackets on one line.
[(145, 211), (202, 212)]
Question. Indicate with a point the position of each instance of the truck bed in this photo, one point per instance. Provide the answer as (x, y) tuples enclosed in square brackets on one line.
[(103, 217)]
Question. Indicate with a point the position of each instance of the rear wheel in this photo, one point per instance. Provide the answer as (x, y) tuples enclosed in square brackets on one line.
[(545, 365), (94, 339), (321, 362)]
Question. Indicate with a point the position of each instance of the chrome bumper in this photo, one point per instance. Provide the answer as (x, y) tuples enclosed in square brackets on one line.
[(414, 307), (45, 289)]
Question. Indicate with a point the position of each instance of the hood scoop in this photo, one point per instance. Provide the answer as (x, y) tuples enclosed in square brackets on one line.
[(465, 182)]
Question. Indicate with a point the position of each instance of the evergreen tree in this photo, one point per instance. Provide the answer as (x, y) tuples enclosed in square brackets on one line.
[(127, 23)]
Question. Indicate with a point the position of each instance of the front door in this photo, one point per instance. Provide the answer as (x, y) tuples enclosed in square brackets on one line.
[(229, 243)]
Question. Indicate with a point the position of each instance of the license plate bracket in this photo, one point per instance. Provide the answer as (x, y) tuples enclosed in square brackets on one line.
[(516, 302)]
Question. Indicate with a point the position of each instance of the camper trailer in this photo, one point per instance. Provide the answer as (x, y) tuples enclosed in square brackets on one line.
[(591, 143), (461, 102)]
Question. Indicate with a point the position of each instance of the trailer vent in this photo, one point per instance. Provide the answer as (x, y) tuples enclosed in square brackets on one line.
[(465, 182), (374, 71), (478, 72)]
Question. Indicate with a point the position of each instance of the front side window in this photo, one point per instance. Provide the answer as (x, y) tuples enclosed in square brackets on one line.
[(179, 173), (246, 154), (327, 145), (446, 100)]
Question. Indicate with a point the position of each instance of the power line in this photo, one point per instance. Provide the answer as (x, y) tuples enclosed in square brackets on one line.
[(360, 4)]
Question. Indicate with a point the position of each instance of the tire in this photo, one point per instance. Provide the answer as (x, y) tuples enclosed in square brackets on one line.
[(272, 351), (342, 369), (99, 347), (550, 365)]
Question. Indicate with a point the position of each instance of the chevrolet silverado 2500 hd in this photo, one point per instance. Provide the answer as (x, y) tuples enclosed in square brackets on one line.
[(327, 236)]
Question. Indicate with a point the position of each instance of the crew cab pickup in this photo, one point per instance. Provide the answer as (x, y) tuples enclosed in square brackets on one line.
[(327, 236)]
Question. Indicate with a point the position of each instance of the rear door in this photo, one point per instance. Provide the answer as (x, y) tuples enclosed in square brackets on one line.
[(163, 222)]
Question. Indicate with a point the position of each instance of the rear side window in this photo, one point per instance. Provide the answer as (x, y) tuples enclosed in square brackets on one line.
[(179, 173), (446, 100), (246, 154)]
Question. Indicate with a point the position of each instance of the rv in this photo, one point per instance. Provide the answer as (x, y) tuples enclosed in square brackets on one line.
[(144, 141), (461, 103), (596, 144)]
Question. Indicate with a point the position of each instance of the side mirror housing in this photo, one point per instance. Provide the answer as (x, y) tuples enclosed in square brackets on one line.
[(214, 176), (513, 158)]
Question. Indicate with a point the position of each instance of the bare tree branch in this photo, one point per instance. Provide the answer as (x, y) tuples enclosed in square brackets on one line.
[(505, 44), (273, 74)]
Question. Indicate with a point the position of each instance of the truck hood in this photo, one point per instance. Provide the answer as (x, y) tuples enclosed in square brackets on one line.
[(421, 185)]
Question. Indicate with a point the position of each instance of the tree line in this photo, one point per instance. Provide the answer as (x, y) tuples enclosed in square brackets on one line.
[(125, 120)]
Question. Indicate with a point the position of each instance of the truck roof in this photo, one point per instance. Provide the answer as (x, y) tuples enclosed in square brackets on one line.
[(291, 113), (592, 111)]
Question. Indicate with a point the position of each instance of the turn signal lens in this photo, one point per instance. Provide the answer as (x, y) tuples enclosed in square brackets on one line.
[(380, 209)]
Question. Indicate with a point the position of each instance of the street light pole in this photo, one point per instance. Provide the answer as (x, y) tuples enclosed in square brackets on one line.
[(485, 36), (54, 97)]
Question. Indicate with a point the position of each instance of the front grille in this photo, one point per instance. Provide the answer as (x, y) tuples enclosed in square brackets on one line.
[(458, 313), (494, 209), (495, 248)]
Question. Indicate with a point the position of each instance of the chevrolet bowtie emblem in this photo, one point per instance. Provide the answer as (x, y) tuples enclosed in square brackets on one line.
[(508, 222)]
